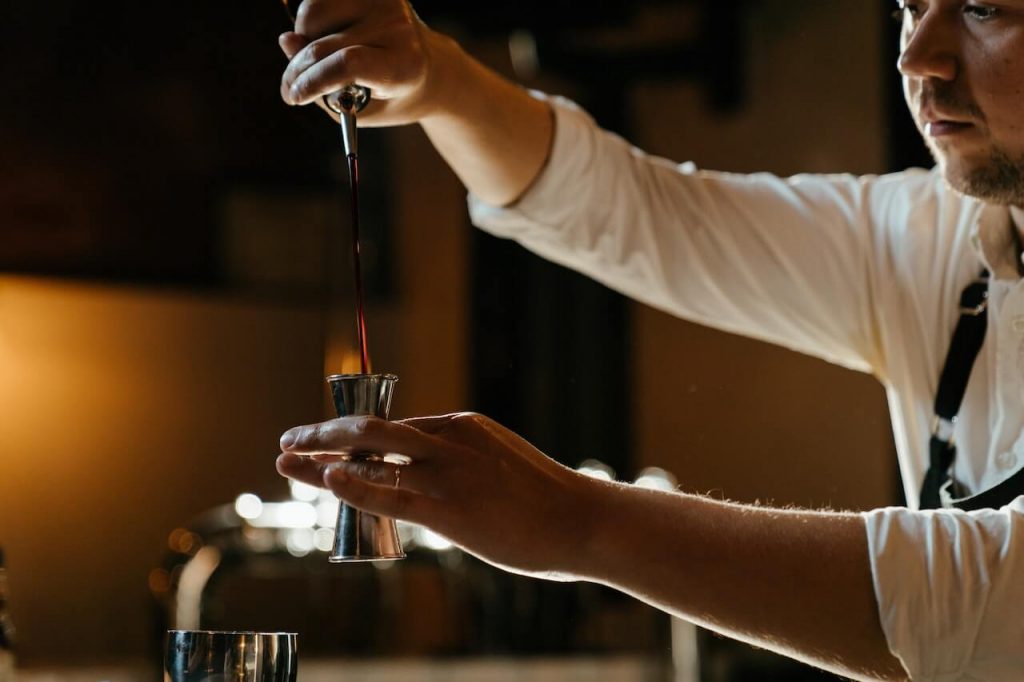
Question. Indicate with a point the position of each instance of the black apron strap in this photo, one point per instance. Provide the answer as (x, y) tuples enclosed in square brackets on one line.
[(995, 497), (941, 454), (963, 349)]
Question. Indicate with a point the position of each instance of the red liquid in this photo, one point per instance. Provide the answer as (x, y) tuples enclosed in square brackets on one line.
[(353, 179)]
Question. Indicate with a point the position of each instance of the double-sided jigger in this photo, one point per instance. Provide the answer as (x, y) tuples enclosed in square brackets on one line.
[(360, 536), (207, 656)]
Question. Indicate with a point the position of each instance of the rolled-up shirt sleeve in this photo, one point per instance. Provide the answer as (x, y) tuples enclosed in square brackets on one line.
[(950, 590), (785, 260)]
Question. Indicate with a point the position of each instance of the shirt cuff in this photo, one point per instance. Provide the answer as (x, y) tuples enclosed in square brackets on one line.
[(572, 150), (948, 588)]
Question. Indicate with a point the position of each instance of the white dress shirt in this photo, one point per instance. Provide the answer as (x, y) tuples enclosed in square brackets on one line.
[(866, 272)]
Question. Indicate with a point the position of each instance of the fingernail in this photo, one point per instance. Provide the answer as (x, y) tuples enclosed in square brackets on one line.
[(287, 440)]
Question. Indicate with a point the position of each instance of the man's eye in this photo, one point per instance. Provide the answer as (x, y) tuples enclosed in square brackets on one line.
[(981, 12)]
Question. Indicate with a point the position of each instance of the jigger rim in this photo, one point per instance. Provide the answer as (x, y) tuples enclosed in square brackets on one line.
[(383, 375), (232, 633)]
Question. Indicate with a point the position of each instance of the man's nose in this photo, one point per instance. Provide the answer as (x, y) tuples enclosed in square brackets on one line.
[(931, 49)]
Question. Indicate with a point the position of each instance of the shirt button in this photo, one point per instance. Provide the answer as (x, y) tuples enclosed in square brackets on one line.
[(1006, 461)]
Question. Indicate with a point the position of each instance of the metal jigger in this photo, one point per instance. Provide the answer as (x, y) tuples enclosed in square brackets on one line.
[(206, 656), (360, 536)]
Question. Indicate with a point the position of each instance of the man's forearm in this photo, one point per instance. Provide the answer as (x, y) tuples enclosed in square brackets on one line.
[(492, 133), (795, 582)]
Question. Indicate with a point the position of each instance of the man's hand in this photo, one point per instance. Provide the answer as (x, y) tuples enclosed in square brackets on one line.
[(494, 135), (380, 44), (472, 480)]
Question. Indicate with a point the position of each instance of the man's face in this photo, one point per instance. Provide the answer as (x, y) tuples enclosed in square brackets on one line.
[(963, 78)]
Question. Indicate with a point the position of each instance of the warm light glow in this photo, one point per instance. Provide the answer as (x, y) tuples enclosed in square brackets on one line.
[(174, 539), (655, 478), (159, 581), (327, 513), (300, 542), (406, 532), (286, 515), (595, 469), (183, 541), (323, 538), (248, 506), (342, 359), (259, 539), (303, 492), (431, 540)]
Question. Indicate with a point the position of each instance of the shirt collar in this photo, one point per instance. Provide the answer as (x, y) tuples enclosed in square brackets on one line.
[(995, 240)]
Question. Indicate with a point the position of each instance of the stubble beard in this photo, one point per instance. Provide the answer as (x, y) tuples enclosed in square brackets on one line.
[(1000, 180)]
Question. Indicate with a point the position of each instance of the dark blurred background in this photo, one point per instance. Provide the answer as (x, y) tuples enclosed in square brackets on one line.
[(174, 283)]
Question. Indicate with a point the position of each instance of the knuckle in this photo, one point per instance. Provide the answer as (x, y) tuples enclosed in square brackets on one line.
[(316, 52), (301, 88), (352, 59), (364, 426), (315, 435)]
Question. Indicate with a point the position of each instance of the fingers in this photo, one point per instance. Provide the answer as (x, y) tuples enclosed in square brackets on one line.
[(421, 478), (325, 65), (322, 67), (347, 435), (383, 499), (376, 44), (372, 471), (374, 487), (302, 469)]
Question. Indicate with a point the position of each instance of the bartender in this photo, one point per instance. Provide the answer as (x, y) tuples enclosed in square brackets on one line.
[(915, 277)]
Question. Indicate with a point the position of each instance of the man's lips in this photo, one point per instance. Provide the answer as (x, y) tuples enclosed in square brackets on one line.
[(942, 124), (946, 128)]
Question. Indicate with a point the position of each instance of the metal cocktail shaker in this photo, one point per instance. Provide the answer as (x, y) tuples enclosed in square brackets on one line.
[(209, 656)]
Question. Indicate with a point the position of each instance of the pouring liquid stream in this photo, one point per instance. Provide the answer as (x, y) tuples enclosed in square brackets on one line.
[(353, 183), (346, 103)]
